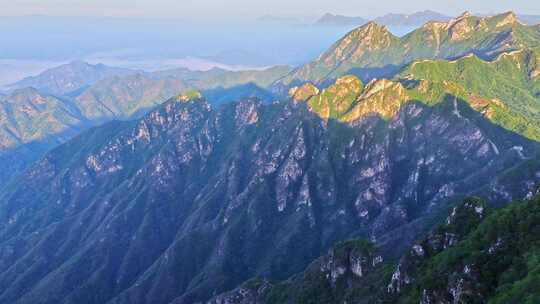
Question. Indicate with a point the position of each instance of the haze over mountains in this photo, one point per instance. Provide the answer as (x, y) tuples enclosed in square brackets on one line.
[(342, 180), (132, 43), (404, 20)]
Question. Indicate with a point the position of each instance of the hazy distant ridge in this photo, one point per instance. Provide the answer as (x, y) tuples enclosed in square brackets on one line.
[(415, 19)]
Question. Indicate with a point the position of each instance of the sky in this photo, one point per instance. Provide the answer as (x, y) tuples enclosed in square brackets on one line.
[(250, 9)]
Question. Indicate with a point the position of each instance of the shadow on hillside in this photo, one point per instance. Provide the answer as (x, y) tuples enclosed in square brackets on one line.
[(364, 74), (222, 95), (367, 74), (14, 161)]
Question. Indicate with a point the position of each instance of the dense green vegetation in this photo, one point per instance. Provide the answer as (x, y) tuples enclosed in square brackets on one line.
[(506, 90), (478, 256), (500, 258)]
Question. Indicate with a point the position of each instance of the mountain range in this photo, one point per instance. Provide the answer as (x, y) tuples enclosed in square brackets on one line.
[(69, 78), (352, 187), (403, 20), (406, 20)]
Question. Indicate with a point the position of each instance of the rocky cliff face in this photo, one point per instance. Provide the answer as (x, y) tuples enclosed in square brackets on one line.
[(192, 200)]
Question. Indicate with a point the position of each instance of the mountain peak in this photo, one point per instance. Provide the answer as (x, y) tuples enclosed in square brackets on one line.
[(371, 34), (373, 26), (303, 93), (508, 18), (189, 96), (78, 62), (510, 14), (70, 77), (459, 19), (465, 14)]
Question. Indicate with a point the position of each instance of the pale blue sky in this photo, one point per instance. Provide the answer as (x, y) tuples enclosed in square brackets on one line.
[(230, 9)]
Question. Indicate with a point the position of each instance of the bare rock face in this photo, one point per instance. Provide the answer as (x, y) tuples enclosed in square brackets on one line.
[(189, 96), (462, 27), (190, 200), (303, 93)]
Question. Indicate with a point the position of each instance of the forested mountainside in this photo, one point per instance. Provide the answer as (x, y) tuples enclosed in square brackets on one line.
[(478, 255)]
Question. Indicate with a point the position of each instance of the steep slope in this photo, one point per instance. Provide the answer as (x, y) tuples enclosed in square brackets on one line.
[(190, 201), (476, 256), (372, 51), (355, 272), (70, 77)]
